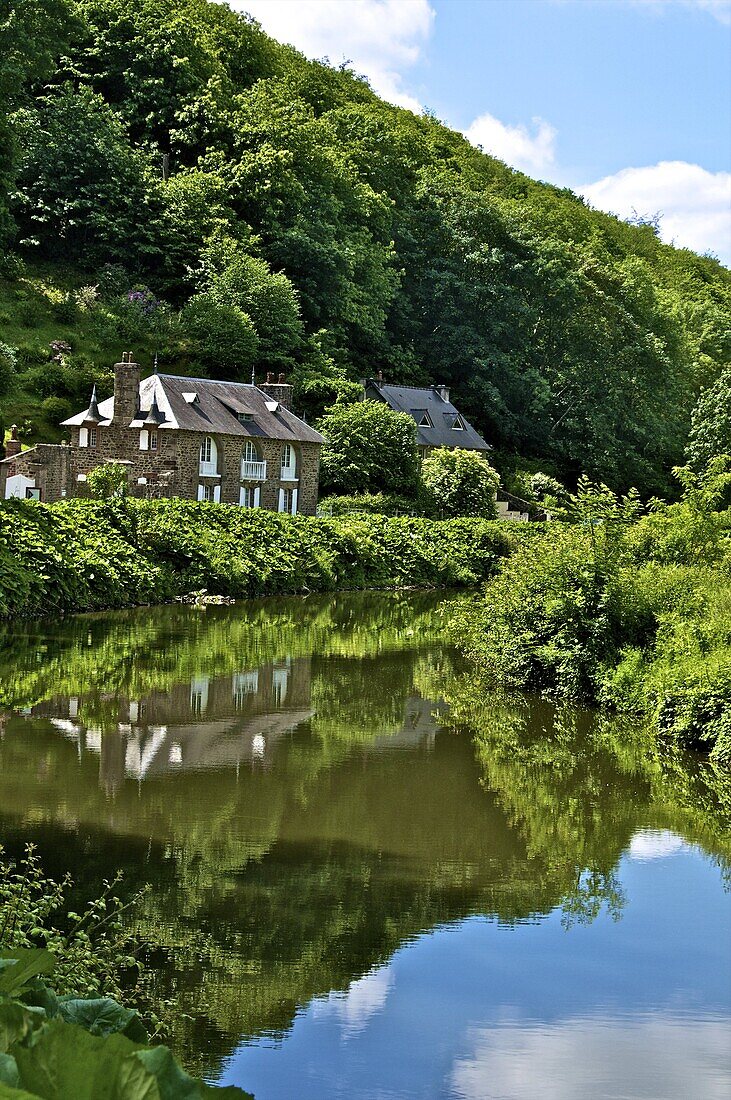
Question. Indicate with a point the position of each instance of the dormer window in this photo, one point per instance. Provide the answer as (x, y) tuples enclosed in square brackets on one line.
[(244, 417), (458, 425), (425, 421), (191, 397)]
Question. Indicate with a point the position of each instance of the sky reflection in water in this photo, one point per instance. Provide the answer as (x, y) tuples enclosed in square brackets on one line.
[(634, 1008), (369, 880)]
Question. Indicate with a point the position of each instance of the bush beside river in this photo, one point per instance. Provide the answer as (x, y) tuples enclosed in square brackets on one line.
[(629, 610), (86, 555)]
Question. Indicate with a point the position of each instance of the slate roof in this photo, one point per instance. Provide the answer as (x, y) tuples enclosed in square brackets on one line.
[(417, 402), (214, 410)]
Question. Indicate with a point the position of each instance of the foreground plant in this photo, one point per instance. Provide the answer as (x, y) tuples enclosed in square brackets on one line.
[(67, 1048)]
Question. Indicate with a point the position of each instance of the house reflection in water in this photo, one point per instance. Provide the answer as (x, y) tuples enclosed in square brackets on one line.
[(207, 723)]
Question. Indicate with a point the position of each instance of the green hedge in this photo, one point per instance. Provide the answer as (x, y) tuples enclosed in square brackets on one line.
[(84, 555)]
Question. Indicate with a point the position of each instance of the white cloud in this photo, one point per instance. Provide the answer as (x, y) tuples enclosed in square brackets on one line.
[(380, 38), (651, 1055), (718, 9), (695, 204), (531, 151), (655, 844), (364, 998)]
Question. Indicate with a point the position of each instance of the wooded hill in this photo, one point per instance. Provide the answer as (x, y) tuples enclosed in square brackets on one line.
[(175, 181)]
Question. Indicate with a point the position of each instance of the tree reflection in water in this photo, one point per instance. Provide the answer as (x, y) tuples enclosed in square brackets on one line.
[(310, 783)]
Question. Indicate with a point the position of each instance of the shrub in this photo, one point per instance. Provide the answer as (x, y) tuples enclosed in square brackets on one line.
[(224, 337), (369, 449), (108, 481), (382, 504), (8, 365), (65, 310), (460, 483), (89, 554), (56, 409)]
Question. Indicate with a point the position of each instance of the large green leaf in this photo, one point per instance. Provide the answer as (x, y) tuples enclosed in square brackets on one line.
[(16, 1023), (175, 1084), (65, 1062), (102, 1016), (7, 1092), (9, 1070), (21, 966)]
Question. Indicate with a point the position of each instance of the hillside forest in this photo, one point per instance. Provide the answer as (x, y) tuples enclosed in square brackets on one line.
[(174, 181)]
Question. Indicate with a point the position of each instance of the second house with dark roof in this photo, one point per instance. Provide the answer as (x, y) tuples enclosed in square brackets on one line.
[(181, 437), (438, 422)]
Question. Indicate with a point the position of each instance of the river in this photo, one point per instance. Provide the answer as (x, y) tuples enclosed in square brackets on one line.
[(369, 880)]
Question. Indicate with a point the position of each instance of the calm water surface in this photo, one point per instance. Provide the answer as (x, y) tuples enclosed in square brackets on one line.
[(369, 881)]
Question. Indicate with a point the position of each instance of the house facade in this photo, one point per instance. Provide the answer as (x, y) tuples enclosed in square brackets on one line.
[(438, 422), (194, 438)]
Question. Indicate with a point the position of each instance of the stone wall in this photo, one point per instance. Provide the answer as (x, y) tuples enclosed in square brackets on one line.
[(173, 469)]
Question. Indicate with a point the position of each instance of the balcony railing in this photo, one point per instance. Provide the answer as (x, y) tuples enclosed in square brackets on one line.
[(253, 471), (288, 473), (207, 469)]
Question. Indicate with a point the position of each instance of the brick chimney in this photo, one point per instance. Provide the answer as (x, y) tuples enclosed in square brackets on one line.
[(13, 446), (277, 390), (126, 390)]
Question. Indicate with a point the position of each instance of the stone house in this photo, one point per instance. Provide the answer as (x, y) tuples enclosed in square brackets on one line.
[(438, 422), (180, 437)]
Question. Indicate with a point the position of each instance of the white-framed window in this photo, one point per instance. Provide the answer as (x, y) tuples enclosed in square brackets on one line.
[(209, 492), (208, 457), (425, 421), (252, 468), (288, 501), (249, 496), (153, 441), (92, 437), (289, 463), (458, 426)]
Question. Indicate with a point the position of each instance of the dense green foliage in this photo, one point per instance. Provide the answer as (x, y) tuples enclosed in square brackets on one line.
[(634, 612), (82, 554), (369, 448), (351, 234), (380, 504), (55, 1047), (459, 483), (710, 433)]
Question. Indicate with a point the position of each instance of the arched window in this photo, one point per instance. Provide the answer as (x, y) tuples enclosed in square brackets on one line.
[(209, 456), (252, 467), (289, 463)]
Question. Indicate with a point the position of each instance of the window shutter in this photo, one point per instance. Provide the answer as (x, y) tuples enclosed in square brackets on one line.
[(294, 502), (257, 497), (281, 500), (143, 439), (83, 437), (217, 494), (201, 492)]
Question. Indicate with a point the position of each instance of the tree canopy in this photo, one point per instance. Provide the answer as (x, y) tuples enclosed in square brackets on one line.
[(351, 233)]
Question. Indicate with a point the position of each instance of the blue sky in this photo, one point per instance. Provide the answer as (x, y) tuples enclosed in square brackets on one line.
[(626, 101)]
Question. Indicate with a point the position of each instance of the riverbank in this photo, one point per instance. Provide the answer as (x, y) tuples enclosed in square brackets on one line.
[(84, 555), (630, 613)]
